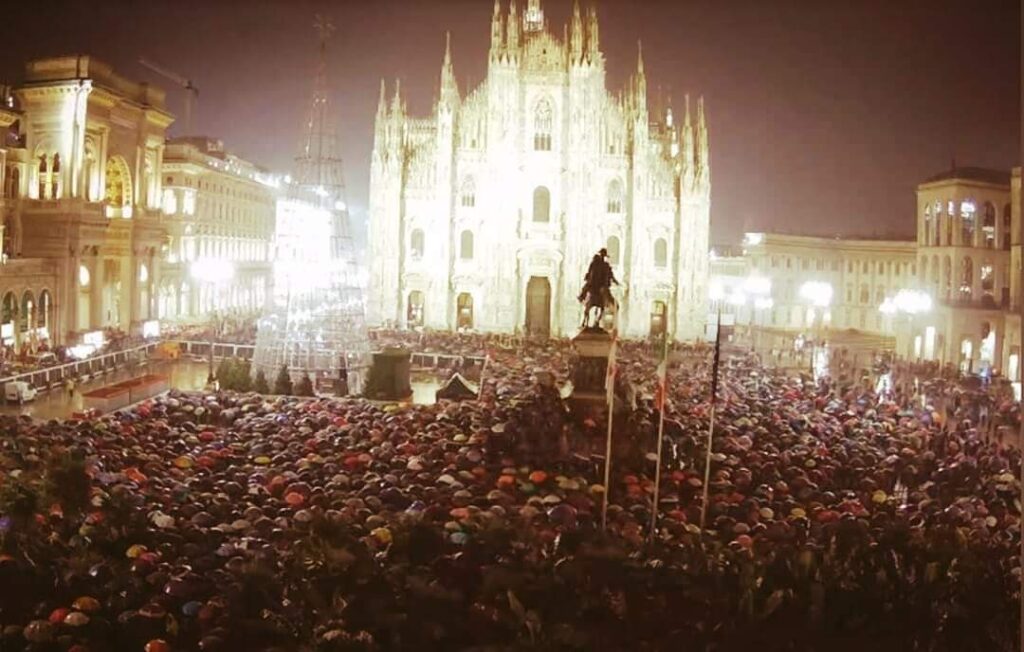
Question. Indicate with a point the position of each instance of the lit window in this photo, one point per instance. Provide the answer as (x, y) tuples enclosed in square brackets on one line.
[(170, 202), (468, 193), (83, 276), (416, 244), (466, 245), (542, 124), (143, 273), (615, 196)]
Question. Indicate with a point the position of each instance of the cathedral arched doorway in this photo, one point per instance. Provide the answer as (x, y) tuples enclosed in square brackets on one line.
[(464, 311), (414, 312), (538, 306), (7, 316), (659, 318)]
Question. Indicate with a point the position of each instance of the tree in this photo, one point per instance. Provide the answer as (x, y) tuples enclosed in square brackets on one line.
[(223, 373), (261, 386), (304, 387), (283, 383), (243, 376)]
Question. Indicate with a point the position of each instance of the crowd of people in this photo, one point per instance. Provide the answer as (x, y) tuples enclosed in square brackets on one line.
[(840, 517)]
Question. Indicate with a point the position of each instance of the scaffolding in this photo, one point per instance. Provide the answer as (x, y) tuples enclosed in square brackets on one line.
[(317, 324)]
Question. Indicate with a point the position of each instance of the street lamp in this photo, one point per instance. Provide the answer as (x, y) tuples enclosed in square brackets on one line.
[(818, 294), (907, 302)]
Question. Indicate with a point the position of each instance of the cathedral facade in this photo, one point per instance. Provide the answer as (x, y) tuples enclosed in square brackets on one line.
[(484, 216)]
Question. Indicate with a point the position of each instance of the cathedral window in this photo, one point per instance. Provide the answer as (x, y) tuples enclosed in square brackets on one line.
[(468, 193), (660, 253), (416, 244), (615, 196), (613, 250), (541, 204), (542, 125), (466, 245)]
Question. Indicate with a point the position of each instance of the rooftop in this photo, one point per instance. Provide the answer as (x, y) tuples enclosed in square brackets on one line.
[(984, 175)]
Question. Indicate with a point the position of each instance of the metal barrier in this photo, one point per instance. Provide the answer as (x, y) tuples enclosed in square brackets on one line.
[(49, 377)]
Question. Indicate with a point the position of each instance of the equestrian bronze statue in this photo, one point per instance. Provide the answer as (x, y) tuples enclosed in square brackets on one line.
[(596, 294)]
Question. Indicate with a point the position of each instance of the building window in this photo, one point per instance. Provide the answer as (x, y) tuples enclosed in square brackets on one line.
[(988, 225), (468, 193), (541, 204), (966, 278), (615, 196), (660, 253), (416, 244), (849, 267), (466, 245), (849, 294), (865, 295), (879, 295), (542, 124), (613, 250), (967, 225), (864, 267)]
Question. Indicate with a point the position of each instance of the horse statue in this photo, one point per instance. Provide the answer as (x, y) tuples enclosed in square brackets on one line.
[(598, 300), (596, 293)]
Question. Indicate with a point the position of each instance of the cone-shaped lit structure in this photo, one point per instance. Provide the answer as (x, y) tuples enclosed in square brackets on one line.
[(317, 325)]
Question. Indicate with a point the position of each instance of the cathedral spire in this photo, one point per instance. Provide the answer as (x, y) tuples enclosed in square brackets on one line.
[(593, 35), (396, 99), (497, 30), (640, 80), (512, 30), (533, 19), (687, 162), (449, 88), (382, 102), (576, 38), (703, 152)]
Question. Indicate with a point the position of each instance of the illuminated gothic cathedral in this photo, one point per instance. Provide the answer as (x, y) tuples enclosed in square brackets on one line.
[(485, 215)]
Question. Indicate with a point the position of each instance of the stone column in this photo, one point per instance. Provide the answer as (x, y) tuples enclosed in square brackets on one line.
[(97, 272), (134, 289)]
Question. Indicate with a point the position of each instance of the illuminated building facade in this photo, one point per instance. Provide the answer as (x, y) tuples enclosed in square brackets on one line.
[(485, 215), (81, 178), (220, 215), (950, 295)]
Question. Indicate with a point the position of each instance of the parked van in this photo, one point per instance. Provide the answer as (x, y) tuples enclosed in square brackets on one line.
[(18, 391)]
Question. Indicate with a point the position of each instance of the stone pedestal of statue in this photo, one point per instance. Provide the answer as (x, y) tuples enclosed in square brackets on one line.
[(589, 398)]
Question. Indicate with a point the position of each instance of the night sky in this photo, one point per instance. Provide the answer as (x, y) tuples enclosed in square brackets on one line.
[(823, 114)]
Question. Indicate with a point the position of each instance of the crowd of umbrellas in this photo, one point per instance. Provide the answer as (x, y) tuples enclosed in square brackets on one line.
[(837, 520)]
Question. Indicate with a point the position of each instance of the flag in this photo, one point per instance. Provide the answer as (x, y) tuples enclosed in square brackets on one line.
[(609, 378), (662, 378), (714, 366)]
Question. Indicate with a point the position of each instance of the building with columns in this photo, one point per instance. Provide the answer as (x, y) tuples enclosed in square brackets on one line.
[(216, 207), (82, 184), (965, 259), (485, 214)]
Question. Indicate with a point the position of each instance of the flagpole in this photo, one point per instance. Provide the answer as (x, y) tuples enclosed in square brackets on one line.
[(711, 421), (610, 390), (662, 389)]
